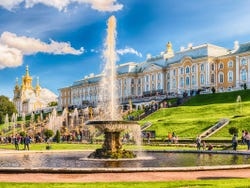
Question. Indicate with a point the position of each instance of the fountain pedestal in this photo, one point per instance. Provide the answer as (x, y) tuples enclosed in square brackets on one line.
[(112, 146)]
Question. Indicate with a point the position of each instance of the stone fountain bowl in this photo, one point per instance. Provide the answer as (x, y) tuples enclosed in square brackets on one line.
[(113, 125)]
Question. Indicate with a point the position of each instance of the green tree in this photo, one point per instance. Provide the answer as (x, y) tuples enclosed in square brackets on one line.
[(245, 86), (48, 133), (213, 89), (6, 107), (233, 130), (58, 136)]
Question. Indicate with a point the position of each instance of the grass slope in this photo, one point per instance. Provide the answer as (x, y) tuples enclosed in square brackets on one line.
[(197, 115)]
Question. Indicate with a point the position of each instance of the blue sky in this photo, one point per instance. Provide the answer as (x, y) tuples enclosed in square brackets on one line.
[(62, 41)]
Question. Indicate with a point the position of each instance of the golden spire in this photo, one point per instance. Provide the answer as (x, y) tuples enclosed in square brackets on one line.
[(17, 86), (27, 71), (37, 84), (169, 47)]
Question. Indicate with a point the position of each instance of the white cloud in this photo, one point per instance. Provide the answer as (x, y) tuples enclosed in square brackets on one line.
[(10, 57), (13, 47), (31, 45), (61, 5), (128, 50)]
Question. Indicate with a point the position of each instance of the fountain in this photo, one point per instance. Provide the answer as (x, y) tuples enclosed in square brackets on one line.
[(111, 124), (238, 106)]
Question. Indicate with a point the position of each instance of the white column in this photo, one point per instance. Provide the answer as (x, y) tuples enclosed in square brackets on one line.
[(208, 74), (237, 72), (197, 76), (170, 80)]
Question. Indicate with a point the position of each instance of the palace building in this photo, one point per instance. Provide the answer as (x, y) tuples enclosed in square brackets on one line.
[(28, 99), (192, 69)]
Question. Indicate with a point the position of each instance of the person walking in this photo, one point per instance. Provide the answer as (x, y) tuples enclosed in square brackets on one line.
[(16, 142), (27, 142), (247, 139), (198, 142), (234, 142)]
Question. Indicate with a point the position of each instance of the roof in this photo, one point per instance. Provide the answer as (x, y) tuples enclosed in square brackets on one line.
[(243, 48)]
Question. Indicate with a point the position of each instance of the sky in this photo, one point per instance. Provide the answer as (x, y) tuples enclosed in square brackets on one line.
[(62, 40)]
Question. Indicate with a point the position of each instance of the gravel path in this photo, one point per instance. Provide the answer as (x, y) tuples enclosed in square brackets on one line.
[(125, 177)]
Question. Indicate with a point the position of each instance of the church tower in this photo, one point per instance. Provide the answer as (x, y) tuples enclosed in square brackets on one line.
[(27, 80), (169, 51)]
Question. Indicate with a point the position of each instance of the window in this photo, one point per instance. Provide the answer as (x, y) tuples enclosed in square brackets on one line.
[(182, 71), (187, 81), (230, 76), (193, 80), (168, 76), (132, 81), (174, 72), (221, 77), (147, 87), (202, 80), (139, 90), (174, 83), (168, 86), (230, 64), (243, 62), (193, 68), (159, 86), (139, 81), (125, 81), (153, 87), (153, 77), (243, 74), (212, 78), (147, 78), (221, 66), (202, 67), (212, 67), (159, 76), (132, 91), (187, 70), (182, 82)]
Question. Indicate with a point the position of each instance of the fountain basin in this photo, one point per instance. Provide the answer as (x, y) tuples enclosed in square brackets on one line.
[(77, 162)]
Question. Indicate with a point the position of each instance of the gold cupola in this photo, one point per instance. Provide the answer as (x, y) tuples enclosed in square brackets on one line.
[(16, 86), (169, 48), (27, 80)]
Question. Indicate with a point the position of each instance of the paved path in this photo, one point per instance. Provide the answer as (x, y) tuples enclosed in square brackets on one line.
[(125, 177)]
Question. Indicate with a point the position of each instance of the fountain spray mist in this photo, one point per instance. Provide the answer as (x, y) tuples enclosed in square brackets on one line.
[(108, 89)]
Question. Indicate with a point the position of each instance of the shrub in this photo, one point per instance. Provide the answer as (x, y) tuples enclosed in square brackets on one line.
[(58, 136), (48, 133), (233, 130)]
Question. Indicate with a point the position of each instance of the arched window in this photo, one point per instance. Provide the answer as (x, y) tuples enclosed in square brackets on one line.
[(230, 76), (243, 74), (174, 83), (221, 77), (168, 86), (168, 76), (187, 70), (230, 64), (193, 68), (221, 66), (153, 77), (159, 86), (132, 81), (212, 78), (212, 67), (202, 67), (193, 80), (182, 82), (174, 72), (159, 76), (182, 70), (243, 62), (187, 81), (139, 90), (202, 80)]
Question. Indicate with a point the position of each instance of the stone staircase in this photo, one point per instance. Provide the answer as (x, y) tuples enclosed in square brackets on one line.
[(215, 128), (145, 126)]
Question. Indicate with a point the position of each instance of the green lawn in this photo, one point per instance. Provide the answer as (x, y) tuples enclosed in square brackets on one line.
[(189, 121), (195, 183)]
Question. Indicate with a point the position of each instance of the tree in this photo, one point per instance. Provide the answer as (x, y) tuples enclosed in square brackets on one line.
[(48, 133), (58, 136), (53, 103), (6, 107), (233, 130)]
